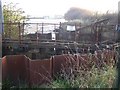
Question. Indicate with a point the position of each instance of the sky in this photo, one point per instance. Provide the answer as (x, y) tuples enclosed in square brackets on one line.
[(39, 8)]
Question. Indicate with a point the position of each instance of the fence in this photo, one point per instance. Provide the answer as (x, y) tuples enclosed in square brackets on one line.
[(58, 32), (36, 72)]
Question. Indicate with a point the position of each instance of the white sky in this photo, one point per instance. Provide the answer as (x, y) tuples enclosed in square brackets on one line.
[(38, 8)]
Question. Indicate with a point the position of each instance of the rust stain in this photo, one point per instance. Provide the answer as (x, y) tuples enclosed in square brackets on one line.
[(20, 67)]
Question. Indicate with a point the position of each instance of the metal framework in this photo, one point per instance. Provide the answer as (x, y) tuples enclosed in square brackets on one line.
[(99, 32)]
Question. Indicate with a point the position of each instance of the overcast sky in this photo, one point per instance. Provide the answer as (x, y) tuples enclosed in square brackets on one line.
[(59, 7)]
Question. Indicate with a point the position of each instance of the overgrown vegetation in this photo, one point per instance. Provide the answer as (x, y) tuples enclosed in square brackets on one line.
[(12, 18), (94, 78), (82, 75), (74, 75)]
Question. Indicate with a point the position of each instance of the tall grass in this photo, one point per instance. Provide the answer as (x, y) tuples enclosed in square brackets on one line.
[(81, 73), (94, 78), (78, 76)]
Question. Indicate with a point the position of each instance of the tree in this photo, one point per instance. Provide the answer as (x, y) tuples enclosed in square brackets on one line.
[(12, 18), (77, 13)]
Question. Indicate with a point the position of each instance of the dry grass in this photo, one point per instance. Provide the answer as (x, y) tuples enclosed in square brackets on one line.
[(87, 74)]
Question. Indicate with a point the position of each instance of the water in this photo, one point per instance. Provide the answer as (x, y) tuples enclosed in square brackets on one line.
[(46, 20), (47, 28)]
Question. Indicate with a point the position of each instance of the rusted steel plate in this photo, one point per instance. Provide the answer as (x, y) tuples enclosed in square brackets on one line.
[(40, 71), (4, 68), (20, 67), (61, 61), (16, 68)]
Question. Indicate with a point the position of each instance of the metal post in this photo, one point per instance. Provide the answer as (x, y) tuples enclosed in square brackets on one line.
[(96, 33), (118, 41), (60, 26), (55, 40), (42, 28), (23, 29), (9, 30), (75, 32), (19, 33), (37, 34), (118, 69)]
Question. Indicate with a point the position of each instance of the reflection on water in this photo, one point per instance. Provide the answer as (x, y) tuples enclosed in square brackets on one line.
[(46, 20), (47, 28)]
